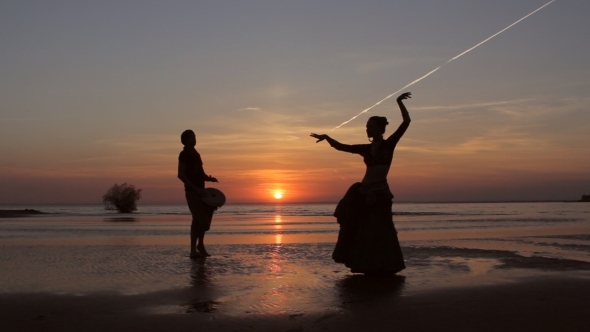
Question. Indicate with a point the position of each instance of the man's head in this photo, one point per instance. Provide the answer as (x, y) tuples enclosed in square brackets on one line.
[(188, 138)]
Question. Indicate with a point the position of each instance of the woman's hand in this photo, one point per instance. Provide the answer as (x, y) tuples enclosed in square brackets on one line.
[(320, 137), (212, 179), (405, 95)]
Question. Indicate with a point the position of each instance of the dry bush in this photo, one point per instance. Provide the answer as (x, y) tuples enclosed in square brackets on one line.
[(122, 198)]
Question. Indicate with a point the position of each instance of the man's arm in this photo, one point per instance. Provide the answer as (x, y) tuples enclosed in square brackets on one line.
[(209, 178), (184, 178)]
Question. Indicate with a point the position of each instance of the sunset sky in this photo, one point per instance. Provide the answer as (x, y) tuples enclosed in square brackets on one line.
[(94, 93)]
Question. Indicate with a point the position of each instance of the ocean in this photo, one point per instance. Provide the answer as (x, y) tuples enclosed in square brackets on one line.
[(269, 258), (413, 221)]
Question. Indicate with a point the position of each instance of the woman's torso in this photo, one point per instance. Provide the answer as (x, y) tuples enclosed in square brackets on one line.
[(377, 156)]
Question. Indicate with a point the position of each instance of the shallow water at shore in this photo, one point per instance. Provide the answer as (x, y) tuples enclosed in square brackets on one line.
[(276, 264), (258, 278)]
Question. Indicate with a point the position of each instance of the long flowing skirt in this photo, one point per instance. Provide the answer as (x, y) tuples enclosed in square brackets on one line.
[(367, 241)]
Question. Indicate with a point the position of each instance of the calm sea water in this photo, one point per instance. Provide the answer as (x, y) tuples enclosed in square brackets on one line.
[(143, 210), (276, 258), (544, 210), (300, 218)]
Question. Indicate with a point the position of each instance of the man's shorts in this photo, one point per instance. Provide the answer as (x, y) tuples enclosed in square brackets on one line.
[(202, 213)]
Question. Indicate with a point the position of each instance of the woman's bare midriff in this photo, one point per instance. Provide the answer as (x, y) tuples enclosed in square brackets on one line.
[(375, 173)]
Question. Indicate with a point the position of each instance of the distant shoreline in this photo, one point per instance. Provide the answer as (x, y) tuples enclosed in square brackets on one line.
[(19, 213)]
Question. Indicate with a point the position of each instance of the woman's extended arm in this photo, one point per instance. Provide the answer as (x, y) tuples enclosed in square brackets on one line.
[(335, 144)]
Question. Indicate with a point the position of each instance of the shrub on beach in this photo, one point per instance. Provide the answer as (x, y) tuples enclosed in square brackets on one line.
[(122, 198)]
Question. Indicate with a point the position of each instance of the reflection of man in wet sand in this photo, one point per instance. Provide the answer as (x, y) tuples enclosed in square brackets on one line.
[(192, 174)]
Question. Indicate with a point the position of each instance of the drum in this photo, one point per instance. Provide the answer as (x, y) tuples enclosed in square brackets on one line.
[(214, 197)]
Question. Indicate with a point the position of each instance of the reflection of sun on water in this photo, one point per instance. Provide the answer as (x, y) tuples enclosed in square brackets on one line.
[(278, 229), (275, 263)]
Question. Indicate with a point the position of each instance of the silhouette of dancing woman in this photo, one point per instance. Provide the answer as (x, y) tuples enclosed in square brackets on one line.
[(367, 241), (192, 174)]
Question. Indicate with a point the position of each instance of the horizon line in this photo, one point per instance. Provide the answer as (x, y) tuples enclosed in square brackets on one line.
[(333, 202)]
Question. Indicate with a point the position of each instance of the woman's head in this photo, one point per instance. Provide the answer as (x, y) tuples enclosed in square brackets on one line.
[(376, 126)]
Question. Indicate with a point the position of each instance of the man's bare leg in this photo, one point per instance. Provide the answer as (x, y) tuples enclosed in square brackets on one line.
[(201, 245), (194, 237)]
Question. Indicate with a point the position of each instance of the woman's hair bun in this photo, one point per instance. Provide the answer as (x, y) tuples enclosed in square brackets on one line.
[(381, 120)]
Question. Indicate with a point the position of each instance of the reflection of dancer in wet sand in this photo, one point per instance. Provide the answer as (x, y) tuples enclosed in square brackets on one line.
[(191, 173), (367, 242)]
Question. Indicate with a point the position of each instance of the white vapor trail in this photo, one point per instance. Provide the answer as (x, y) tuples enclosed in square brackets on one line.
[(439, 67)]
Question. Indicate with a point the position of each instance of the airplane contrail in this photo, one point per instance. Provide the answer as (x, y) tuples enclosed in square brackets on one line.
[(439, 67)]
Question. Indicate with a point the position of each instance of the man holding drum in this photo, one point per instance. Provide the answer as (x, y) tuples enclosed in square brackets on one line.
[(192, 174)]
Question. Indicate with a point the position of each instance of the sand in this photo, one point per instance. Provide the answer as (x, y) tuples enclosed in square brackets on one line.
[(92, 274), (546, 304)]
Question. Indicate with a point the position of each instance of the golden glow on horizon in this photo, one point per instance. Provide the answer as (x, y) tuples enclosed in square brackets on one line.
[(278, 195)]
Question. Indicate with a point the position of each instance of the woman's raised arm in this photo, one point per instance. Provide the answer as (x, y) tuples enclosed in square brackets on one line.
[(402, 107), (405, 115)]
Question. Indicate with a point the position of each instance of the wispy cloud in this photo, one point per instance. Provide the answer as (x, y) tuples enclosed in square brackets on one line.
[(254, 109), (257, 109), (20, 119), (472, 105)]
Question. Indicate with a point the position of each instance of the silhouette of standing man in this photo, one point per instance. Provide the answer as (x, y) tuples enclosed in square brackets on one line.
[(192, 174)]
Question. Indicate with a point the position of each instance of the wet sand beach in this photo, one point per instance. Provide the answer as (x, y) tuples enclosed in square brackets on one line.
[(501, 270), (554, 304)]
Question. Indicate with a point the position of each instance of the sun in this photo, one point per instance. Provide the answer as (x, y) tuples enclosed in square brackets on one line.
[(278, 195)]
